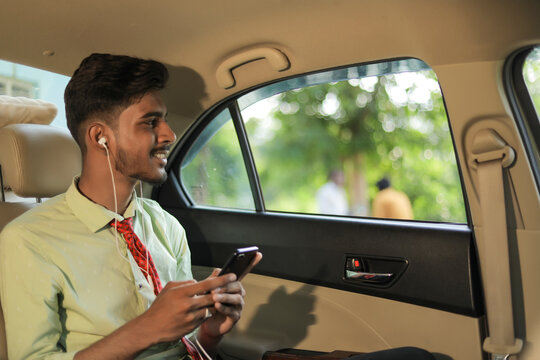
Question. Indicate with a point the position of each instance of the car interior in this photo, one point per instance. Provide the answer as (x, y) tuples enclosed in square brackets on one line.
[(268, 99)]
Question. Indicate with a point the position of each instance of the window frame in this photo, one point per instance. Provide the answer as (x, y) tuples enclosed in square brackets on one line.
[(522, 107), (231, 102)]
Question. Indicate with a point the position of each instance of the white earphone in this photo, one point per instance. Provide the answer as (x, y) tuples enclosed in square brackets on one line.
[(103, 142)]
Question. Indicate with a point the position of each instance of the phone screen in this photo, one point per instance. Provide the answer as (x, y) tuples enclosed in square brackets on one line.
[(239, 261)]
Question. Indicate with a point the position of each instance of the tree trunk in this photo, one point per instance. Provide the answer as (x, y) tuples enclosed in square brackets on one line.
[(357, 189)]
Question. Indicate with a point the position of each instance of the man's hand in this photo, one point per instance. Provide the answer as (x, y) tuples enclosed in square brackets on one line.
[(181, 307), (228, 303)]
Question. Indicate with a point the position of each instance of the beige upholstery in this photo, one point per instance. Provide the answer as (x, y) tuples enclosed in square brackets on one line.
[(36, 161), (19, 110)]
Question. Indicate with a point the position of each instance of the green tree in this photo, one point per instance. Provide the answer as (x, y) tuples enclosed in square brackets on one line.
[(370, 128), (214, 173)]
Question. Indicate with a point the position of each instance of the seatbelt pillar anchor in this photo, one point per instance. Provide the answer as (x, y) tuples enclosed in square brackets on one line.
[(502, 352), (489, 146)]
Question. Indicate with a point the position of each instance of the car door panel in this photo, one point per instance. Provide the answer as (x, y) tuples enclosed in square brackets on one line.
[(441, 269), (300, 295), (298, 292), (289, 314)]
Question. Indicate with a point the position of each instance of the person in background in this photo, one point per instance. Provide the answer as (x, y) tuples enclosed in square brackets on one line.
[(331, 197), (390, 203)]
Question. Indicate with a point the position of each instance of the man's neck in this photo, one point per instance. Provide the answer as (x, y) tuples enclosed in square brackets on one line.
[(99, 189)]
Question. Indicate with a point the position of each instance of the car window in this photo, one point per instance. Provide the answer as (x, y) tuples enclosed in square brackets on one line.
[(369, 140), (213, 171), (531, 75), (365, 141), (21, 80)]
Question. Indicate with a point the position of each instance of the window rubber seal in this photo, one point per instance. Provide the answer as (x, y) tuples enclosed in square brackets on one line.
[(523, 110)]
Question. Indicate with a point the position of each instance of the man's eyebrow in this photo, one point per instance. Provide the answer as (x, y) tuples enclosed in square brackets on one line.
[(154, 114)]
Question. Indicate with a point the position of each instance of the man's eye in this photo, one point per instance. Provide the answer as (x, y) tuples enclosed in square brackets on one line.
[(152, 122)]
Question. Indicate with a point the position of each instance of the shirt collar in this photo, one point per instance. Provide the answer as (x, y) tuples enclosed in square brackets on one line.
[(93, 215)]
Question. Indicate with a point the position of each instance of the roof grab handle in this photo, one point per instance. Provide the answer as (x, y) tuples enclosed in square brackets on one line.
[(278, 61)]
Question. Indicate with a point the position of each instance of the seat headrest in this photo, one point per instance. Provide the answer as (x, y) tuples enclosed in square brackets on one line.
[(20, 110), (38, 160)]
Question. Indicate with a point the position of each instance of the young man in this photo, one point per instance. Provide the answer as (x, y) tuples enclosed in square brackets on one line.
[(97, 272)]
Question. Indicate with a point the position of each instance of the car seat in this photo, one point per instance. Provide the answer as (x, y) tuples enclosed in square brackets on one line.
[(36, 161)]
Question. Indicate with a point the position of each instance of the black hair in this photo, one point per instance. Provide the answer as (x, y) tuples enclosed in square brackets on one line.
[(383, 183), (104, 85)]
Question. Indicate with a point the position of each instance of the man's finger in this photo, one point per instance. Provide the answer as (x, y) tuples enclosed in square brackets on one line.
[(173, 284), (234, 312), (214, 273), (232, 288), (229, 299), (207, 285)]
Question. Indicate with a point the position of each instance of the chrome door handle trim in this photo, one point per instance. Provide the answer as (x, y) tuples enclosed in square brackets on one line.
[(379, 278)]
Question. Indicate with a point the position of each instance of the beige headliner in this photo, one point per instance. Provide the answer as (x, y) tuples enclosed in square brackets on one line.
[(314, 34)]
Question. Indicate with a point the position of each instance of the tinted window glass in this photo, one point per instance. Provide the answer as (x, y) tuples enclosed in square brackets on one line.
[(531, 74), (370, 140), (213, 172)]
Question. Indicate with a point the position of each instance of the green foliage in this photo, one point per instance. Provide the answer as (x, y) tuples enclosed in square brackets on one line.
[(392, 125), (360, 127), (217, 176)]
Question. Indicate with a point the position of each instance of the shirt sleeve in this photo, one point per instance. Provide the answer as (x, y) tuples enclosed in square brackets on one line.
[(30, 288)]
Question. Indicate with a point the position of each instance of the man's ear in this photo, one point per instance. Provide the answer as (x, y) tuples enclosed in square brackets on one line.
[(96, 135)]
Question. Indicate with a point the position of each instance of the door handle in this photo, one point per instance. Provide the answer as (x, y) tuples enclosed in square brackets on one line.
[(375, 278), (372, 270)]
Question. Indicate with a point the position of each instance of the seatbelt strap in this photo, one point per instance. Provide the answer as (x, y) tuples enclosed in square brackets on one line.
[(490, 156)]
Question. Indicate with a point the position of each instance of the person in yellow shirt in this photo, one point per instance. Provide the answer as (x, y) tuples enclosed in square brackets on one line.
[(97, 272), (390, 203)]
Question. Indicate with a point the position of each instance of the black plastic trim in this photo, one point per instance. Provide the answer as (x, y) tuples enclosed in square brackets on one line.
[(441, 273), (248, 156)]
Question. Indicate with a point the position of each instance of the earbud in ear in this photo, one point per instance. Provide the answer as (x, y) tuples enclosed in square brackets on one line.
[(102, 141)]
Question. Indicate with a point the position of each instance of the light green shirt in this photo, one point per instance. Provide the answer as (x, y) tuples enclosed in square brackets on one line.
[(65, 284)]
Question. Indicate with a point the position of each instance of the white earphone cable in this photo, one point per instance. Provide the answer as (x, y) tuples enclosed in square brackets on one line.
[(144, 231), (144, 235), (115, 205), (202, 349)]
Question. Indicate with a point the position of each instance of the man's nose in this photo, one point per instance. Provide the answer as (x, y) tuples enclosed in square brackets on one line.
[(166, 135)]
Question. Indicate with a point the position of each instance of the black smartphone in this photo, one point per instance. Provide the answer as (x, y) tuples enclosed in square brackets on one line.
[(239, 261)]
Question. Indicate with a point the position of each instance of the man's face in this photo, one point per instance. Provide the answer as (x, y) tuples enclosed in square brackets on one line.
[(143, 138)]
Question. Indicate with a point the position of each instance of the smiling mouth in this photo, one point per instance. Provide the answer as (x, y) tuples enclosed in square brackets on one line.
[(160, 154)]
